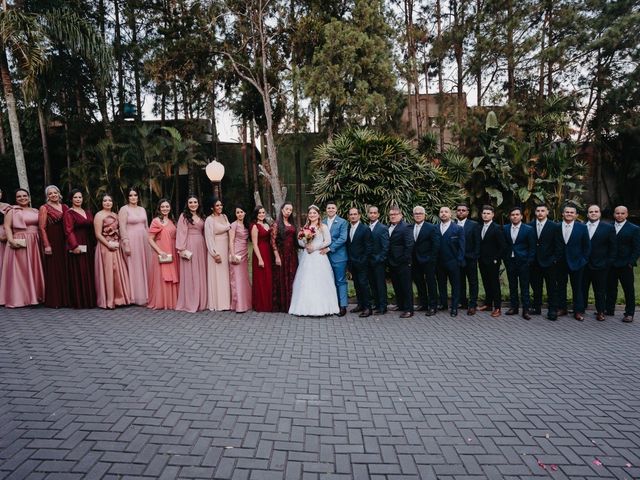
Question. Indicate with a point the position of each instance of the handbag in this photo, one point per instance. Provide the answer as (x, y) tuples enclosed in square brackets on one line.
[(168, 258)]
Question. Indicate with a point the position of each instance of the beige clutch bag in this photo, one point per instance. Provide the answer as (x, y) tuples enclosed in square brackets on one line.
[(186, 254), (81, 248), (21, 242), (165, 258)]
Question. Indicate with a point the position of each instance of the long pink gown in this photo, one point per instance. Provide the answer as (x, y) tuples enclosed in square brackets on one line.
[(112, 277), (239, 273), (163, 277), (3, 243), (22, 278), (137, 237), (216, 234), (192, 292)]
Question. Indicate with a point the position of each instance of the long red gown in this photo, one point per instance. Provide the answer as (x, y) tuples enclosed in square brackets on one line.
[(55, 266), (79, 231), (262, 276), (284, 274)]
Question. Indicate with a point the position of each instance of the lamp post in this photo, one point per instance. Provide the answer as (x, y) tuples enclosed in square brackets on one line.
[(215, 172)]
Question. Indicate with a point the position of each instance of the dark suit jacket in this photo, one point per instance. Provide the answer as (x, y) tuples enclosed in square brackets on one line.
[(359, 249), (549, 247), (524, 248), (577, 250), (426, 246), (471, 240), (603, 247), (380, 244), (452, 245), (628, 240), (400, 245), (493, 245)]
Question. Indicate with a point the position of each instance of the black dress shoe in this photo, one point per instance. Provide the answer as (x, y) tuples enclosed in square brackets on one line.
[(525, 315), (421, 308), (356, 309), (406, 315), (377, 311), (535, 311), (365, 313), (610, 313), (579, 317), (442, 307), (552, 316), (562, 312), (430, 312), (343, 311), (511, 311), (471, 311), (395, 308), (454, 312)]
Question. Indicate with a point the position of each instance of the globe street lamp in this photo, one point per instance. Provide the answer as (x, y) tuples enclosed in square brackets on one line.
[(215, 172)]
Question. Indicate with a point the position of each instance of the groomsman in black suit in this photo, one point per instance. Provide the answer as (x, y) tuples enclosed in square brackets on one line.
[(549, 250), (471, 255), (399, 260), (492, 248), (627, 253), (577, 248), (423, 268), (603, 251), (519, 254), (359, 247), (378, 261), (450, 260)]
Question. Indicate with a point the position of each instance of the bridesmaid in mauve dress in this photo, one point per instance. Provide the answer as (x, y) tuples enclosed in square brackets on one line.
[(56, 275), (163, 277), (216, 234), (284, 243), (239, 262), (134, 228), (81, 245), (22, 281), (261, 262), (112, 276), (3, 236), (192, 292)]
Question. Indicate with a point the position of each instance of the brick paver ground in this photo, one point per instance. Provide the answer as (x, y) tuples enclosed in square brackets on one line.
[(142, 394)]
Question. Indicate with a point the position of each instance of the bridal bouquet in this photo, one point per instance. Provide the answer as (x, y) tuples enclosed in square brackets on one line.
[(307, 234)]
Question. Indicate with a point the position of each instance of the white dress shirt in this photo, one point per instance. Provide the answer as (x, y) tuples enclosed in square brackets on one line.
[(485, 227), (567, 228), (618, 226), (330, 221), (514, 234), (462, 222), (540, 225), (592, 227), (416, 230), (353, 229), (373, 225), (391, 228), (444, 227)]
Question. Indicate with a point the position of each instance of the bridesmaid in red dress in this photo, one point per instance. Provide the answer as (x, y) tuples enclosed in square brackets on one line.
[(22, 280), (112, 276), (163, 277), (81, 245), (261, 262), (284, 243), (55, 251), (239, 262)]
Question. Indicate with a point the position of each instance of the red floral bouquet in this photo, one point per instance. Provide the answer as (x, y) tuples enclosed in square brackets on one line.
[(307, 234)]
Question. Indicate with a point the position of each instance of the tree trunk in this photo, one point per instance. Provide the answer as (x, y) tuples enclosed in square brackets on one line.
[(135, 60), (510, 53), (478, 72), (245, 159), (298, 181), (14, 124), (254, 163), (118, 53), (3, 142), (441, 116), (42, 121)]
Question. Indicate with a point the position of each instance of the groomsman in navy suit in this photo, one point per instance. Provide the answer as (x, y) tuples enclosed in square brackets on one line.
[(492, 247), (577, 248), (359, 251), (423, 268), (549, 250), (603, 251), (378, 261), (450, 259), (337, 252), (627, 253), (519, 254), (471, 255), (399, 260)]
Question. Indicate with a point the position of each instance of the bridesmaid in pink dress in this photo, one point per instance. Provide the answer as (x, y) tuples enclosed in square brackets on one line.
[(239, 260), (112, 277), (261, 262), (216, 234), (163, 277), (192, 292), (3, 236), (81, 245), (22, 280), (56, 273), (134, 228)]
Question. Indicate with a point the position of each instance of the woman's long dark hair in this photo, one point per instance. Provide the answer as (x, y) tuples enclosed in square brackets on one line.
[(282, 227), (188, 216), (254, 215), (159, 215), (245, 221)]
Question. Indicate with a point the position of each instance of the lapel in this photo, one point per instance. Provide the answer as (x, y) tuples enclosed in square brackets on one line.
[(397, 227), (545, 229), (423, 228)]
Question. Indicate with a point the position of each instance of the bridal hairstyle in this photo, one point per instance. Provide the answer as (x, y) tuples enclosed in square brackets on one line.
[(313, 207), (159, 215)]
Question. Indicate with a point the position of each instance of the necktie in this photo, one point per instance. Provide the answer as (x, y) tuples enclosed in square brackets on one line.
[(539, 229), (485, 227), (567, 232), (416, 231), (618, 227), (514, 234), (592, 229), (353, 231)]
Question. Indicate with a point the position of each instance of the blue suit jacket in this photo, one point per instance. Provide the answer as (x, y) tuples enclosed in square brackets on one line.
[(400, 245), (359, 249), (380, 244), (628, 240), (471, 239), (452, 245), (339, 232), (603, 247), (524, 248), (426, 246), (578, 248), (549, 246)]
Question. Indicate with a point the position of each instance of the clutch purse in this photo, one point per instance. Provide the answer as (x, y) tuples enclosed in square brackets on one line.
[(21, 242), (82, 249), (235, 259), (186, 254), (165, 258)]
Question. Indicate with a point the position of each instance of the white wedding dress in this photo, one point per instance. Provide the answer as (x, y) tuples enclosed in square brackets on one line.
[(314, 290)]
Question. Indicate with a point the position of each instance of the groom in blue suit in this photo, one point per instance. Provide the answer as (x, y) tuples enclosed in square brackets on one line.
[(337, 252)]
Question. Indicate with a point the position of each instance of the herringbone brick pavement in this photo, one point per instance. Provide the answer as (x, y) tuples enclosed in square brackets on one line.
[(135, 393)]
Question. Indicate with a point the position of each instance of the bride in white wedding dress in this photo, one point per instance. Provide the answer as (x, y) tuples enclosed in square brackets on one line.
[(314, 291)]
